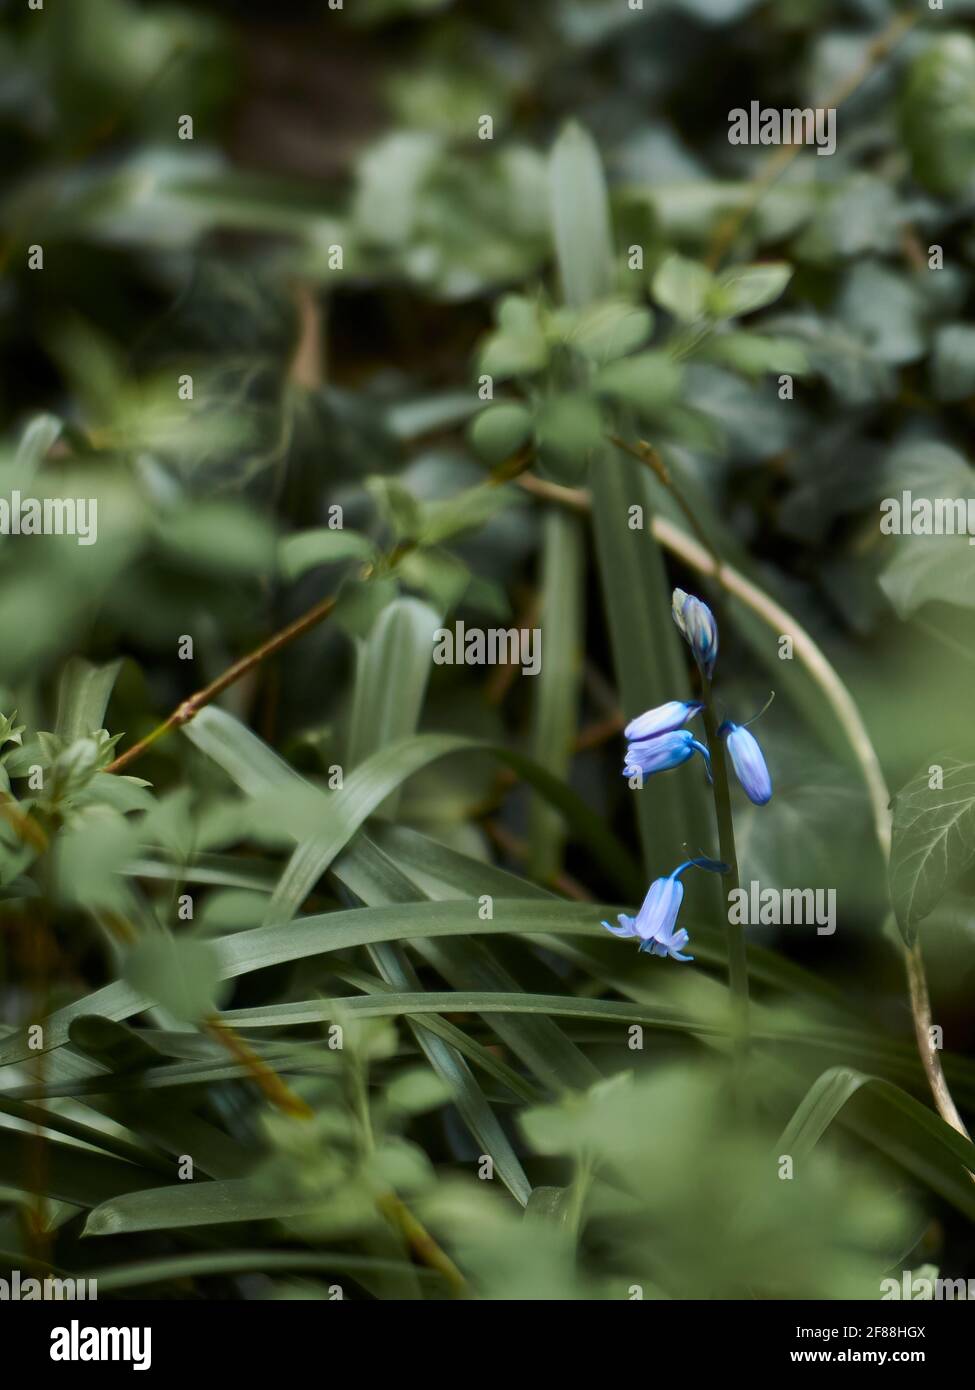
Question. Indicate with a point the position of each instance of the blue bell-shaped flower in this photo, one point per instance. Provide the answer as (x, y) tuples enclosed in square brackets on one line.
[(655, 922)]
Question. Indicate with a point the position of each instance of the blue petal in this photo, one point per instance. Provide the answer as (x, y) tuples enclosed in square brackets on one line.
[(661, 720), (627, 926)]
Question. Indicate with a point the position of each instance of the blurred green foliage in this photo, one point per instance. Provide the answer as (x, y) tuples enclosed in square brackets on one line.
[(307, 353)]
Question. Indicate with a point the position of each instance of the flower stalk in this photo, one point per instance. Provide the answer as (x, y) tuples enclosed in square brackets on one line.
[(737, 956)]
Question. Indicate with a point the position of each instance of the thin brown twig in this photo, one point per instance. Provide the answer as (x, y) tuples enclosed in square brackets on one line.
[(184, 712), (273, 1087)]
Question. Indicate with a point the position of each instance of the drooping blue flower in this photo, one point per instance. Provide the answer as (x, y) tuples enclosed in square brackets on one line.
[(655, 922), (749, 763), (662, 720), (663, 752), (698, 628)]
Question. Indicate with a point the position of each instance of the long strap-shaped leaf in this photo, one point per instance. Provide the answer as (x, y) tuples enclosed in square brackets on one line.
[(340, 814), (538, 1042), (245, 952), (897, 1124), (830, 1092)]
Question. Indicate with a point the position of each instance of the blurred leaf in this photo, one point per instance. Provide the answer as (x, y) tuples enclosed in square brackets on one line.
[(885, 309), (755, 353), (220, 536), (567, 431), (500, 430), (181, 974), (646, 383), (938, 113), (580, 217), (465, 511), (953, 362), (610, 329), (747, 288), (321, 546), (682, 286), (518, 347)]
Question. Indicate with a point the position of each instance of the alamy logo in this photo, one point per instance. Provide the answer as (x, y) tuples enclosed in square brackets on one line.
[(494, 646), (792, 126), (919, 1288), (908, 515), (756, 906), (77, 1343), (50, 516), (18, 1289)]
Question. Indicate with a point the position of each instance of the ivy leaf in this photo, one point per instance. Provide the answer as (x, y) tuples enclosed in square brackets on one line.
[(930, 569), (933, 841)]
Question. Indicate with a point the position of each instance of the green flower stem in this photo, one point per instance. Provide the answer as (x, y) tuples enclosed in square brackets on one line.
[(737, 958)]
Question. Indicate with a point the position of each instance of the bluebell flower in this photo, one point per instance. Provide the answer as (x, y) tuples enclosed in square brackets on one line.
[(698, 628), (663, 752), (662, 720), (749, 763), (655, 922)]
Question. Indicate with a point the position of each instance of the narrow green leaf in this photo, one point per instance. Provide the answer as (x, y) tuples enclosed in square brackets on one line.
[(188, 1206), (556, 689), (895, 1122), (650, 665), (245, 952), (392, 668), (259, 771), (580, 217), (69, 1173)]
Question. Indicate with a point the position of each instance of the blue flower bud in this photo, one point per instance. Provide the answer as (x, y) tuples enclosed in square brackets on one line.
[(663, 752), (698, 628), (661, 720), (655, 922), (749, 763)]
